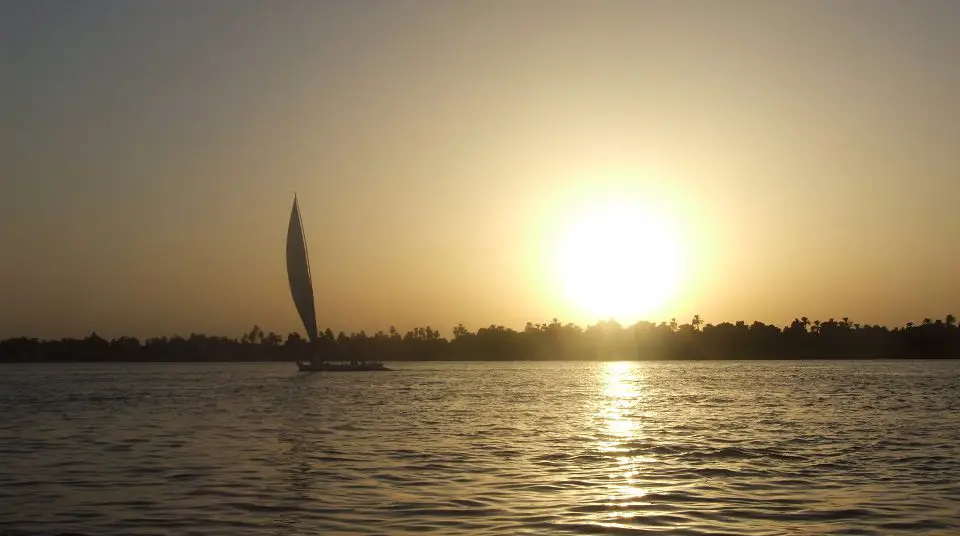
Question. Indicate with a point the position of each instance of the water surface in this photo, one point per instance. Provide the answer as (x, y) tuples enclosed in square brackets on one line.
[(774, 447)]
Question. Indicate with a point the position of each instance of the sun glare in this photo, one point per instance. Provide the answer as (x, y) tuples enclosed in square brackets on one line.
[(619, 260)]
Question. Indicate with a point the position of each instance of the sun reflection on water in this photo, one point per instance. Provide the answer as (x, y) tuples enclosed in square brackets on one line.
[(620, 390), (619, 428)]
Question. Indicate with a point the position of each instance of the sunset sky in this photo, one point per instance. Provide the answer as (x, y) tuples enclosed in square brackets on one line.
[(803, 158)]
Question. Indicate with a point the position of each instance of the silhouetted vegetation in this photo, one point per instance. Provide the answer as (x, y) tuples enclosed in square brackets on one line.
[(608, 340)]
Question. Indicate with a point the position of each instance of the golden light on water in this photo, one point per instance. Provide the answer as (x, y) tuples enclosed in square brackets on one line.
[(619, 381), (620, 259), (620, 392)]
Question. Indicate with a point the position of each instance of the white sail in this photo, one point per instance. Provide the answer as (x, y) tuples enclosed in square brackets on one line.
[(298, 273)]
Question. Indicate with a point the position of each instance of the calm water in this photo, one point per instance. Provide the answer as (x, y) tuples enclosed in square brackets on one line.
[(481, 448)]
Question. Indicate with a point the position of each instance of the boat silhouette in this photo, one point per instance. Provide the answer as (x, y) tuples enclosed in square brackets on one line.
[(301, 289)]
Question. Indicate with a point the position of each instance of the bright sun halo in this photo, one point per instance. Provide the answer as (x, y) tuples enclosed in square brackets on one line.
[(619, 260)]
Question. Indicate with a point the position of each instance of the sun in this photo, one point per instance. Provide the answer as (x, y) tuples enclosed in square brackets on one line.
[(619, 260)]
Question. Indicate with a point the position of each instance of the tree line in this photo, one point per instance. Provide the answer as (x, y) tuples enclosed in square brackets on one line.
[(606, 340)]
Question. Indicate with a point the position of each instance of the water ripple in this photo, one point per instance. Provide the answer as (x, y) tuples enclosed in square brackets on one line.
[(737, 448)]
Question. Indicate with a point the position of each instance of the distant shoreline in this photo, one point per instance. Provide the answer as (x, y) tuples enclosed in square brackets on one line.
[(803, 339)]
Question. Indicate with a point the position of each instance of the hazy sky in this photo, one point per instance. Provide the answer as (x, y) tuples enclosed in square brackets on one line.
[(808, 152)]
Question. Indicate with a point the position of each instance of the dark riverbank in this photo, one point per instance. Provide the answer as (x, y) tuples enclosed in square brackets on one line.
[(802, 339)]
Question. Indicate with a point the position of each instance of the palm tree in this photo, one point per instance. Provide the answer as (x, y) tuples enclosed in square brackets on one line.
[(256, 335), (272, 339), (696, 322), (294, 338), (951, 321)]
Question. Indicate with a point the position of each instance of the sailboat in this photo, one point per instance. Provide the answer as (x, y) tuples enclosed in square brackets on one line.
[(301, 288)]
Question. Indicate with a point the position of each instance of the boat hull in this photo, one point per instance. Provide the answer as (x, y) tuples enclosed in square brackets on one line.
[(360, 366)]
